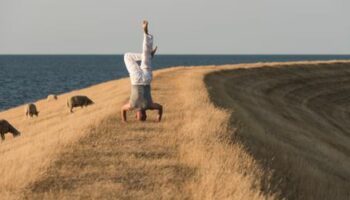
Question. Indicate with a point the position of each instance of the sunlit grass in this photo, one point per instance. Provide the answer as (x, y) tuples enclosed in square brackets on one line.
[(188, 155)]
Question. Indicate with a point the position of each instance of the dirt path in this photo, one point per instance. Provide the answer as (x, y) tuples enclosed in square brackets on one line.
[(295, 121), (124, 161)]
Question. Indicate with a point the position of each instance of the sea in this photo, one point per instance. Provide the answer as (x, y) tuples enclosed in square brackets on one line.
[(27, 78)]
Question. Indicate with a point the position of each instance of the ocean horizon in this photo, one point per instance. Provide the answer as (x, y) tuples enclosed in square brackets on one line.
[(28, 78)]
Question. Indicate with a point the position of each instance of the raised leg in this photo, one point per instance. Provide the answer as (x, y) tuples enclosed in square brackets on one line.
[(130, 60), (145, 26), (147, 47)]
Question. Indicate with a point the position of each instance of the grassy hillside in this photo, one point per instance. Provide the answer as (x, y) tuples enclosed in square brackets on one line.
[(190, 155)]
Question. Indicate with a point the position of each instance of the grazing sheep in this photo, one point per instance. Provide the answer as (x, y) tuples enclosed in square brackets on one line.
[(31, 110), (6, 127), (77, 101), (51, 97)]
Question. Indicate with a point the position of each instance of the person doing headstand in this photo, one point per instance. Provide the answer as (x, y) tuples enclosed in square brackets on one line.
[(140, 72)]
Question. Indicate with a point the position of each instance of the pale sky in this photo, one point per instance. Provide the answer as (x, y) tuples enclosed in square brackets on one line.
[(179, 26)]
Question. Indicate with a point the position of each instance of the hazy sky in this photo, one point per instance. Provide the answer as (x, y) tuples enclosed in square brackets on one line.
[(179, 26)]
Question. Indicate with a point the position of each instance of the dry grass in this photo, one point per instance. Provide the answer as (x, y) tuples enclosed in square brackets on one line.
[(26, 158), (90, 154)]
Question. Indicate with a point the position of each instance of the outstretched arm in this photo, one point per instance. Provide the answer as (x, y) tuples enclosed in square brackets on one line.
[(156, 106), (123, 111)]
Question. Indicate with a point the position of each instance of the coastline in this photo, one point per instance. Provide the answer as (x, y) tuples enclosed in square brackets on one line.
[(28, 157), (23, 80)]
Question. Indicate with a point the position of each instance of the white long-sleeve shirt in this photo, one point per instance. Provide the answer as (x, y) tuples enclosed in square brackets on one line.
[(141, 74)]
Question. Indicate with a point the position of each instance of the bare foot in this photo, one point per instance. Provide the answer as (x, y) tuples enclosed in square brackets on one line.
[(154, 51), (145, 26)]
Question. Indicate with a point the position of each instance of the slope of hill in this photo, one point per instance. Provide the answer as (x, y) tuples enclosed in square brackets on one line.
[(90, 154), (295, 121)]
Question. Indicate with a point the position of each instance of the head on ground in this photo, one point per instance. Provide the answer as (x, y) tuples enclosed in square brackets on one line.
[(141, 115)]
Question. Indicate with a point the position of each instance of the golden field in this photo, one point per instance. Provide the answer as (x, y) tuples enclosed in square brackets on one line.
[(247, 131)]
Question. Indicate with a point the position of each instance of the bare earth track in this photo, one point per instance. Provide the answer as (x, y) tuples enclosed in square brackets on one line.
[(296, 121), (279, 132)]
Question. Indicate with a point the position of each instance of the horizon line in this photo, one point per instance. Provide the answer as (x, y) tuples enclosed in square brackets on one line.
[(189, 54)]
